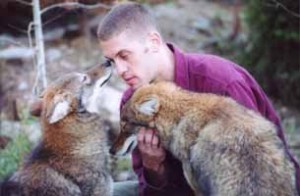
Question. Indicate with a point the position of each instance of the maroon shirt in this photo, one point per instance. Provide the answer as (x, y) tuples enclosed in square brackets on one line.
[(210, 74)]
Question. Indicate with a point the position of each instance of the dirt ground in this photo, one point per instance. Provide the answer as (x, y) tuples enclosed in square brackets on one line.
[(187, 23)]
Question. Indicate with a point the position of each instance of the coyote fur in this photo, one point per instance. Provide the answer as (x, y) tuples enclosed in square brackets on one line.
[(71, 158), (224, 148)]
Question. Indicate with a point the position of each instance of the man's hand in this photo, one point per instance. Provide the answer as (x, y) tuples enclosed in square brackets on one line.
[(153, 156)]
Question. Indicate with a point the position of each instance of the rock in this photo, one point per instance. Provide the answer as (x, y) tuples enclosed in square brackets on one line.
[(4, 140), (16, 53), (53, 54)]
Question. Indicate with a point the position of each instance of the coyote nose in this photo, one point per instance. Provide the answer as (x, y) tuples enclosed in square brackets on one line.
[(107, 63), (112, 151)]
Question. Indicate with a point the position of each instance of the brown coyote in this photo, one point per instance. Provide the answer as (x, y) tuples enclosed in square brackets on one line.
[(71, 158), (225, 148)]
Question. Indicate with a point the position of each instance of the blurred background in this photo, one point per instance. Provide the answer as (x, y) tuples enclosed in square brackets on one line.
[(262, 36)]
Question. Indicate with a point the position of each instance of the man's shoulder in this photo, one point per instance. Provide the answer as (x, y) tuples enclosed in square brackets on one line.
[(214, 67), (208, 61)]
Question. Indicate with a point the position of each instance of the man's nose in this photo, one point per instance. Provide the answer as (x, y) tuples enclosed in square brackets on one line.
[(121, 68)]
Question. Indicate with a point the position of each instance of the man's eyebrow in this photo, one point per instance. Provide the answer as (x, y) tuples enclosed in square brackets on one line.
[(118, 53), (112, 59), (122, 51)]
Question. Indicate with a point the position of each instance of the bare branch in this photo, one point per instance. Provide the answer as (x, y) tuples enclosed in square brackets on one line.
[(29, 29), (277, 4), (79, 5), (16, 28), (39, 48), (35, 90), (54, 18), (24, 2), (29, 34)]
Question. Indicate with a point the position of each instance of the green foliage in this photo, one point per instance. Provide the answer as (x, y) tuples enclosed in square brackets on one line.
[(272, 54), (271, 50), (11, 157), (26, 117)]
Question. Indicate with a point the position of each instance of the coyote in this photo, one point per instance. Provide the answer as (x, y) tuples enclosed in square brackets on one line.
[(71, 158), (225, 148)]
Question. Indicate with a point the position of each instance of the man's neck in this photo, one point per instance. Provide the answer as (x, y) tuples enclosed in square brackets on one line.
[(167, 65)]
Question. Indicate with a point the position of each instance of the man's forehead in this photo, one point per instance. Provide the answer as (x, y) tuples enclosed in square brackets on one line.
[(109, 49), (114, 45)]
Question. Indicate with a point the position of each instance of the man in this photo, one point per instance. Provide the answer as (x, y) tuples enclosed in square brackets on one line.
[(130, 39)]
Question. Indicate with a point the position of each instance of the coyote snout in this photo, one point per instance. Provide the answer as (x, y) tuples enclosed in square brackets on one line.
[(72, 156), (126, 141), (75, 92)]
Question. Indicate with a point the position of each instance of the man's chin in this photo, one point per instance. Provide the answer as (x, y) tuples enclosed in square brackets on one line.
[(135, 86)]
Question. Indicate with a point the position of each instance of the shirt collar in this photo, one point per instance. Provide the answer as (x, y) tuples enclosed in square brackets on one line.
[(181, 76)]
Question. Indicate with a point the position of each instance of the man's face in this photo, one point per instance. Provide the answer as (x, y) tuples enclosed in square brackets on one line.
[(132, 58)]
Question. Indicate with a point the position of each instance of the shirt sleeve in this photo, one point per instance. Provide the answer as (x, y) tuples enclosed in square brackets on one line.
[(242, 94), (174, 185)]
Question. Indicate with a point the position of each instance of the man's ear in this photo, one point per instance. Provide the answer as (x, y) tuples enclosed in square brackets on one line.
[(149, 107), (155, 41), (59, 108)]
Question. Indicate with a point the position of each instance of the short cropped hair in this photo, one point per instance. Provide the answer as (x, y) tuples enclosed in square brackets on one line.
[(129, 16)]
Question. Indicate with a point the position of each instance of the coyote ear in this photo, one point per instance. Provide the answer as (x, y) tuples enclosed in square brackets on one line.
[(60, 107), (149, 107)]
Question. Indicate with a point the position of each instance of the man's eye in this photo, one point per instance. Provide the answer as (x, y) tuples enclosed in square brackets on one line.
[(124, 56)]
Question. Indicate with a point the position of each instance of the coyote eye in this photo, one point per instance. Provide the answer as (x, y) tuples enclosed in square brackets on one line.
[(86, 79)]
